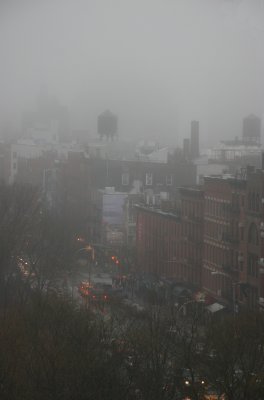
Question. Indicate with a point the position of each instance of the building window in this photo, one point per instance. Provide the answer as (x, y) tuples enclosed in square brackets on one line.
[(149, 178), (252, 265), (253, 202), (14, 154), (169, 180), (14, 165), (257, 202), (249, 201), (125, 179), (253, 235)]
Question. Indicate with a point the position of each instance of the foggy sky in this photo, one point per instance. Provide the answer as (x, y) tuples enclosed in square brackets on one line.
[(158, 64)]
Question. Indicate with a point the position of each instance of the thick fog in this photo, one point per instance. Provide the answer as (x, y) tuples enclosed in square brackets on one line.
[(156, 63)]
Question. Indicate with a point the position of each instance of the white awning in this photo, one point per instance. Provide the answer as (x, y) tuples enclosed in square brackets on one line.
[(215, 307)]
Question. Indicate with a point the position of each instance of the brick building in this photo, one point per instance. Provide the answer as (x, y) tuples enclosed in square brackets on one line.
[(191, 249), (170, 243), (233, 267), (158, 241), (154, 176), (253, 243), (67, 190), (215, 241), (224, 201)]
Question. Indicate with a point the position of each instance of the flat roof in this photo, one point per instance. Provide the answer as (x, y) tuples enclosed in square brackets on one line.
[(158, 211)]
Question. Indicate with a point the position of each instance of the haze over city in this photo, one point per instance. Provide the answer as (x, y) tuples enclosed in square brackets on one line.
[(131, 200), (156, 64)]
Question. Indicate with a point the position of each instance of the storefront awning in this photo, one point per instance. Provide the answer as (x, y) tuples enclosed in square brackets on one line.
[(213, 308)]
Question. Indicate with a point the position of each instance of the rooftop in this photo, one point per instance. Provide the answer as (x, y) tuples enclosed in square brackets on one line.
[(159, 211)]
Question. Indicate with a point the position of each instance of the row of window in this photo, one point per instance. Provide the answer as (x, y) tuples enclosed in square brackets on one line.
[(253, 237), (253, 201), (222, 209), (191, 231), (222, 232), (191, 209), (252, 265), (226, 259), (125, 179), (217, 208)]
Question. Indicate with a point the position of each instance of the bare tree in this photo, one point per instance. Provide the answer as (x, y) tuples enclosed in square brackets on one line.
[(236, 356)]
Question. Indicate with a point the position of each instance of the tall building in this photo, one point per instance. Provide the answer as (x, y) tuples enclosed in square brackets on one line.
[(252, 272), (195, 152), (49, 113), (252, 129), (224, 201), (186, 148), (191, 248)]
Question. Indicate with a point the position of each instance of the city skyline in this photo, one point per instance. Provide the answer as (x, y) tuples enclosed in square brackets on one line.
[(156, 66)]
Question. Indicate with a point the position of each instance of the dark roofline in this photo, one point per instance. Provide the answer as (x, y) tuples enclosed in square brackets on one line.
[(157, 211), (191, 191), (230, 180)]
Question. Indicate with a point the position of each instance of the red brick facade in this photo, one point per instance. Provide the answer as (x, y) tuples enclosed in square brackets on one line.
[(170, 244), (158, 239), (216, 242), (234, 239), (191, 248), (224, 201), (253, 244)]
